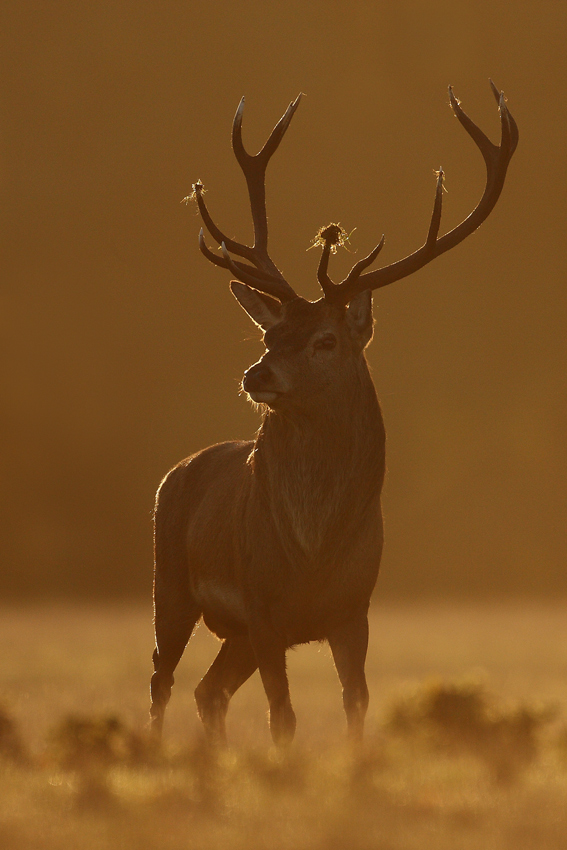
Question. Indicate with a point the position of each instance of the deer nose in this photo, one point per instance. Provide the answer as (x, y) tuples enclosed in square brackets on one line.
[(257, 377)]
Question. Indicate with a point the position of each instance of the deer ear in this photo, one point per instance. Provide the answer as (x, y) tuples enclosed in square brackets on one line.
[(359, 317), (262, 309)]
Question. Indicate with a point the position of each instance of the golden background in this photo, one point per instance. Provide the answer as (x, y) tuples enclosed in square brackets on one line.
[(122, 348)]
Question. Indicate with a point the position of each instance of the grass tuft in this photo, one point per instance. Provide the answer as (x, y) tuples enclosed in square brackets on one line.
[(11, 743), (458, 717)]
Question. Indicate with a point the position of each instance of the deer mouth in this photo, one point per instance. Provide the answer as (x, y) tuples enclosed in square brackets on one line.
[(263, 396)]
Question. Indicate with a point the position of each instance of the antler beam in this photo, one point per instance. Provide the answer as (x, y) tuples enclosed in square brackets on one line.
[(263, 275), (496, 158)]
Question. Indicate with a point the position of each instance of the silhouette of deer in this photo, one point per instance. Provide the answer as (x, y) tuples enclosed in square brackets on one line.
[(277, 541)]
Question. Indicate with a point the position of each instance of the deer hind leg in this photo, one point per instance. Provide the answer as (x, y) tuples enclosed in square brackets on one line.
[(176, 610), (234, 664), (175, 619), (349, 644)]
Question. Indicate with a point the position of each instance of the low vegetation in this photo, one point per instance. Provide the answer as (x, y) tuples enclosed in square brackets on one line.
[(448, 761), (463, 718), (450, 764)]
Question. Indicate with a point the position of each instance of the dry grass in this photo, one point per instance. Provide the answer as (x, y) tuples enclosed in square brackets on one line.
[(466, 745)]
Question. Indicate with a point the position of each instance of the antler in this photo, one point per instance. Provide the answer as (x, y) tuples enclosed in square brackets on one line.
[(263, 275), (496, 158)]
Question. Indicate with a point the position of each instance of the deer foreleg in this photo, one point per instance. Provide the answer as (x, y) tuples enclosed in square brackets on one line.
[(349, 644), (270, 654)]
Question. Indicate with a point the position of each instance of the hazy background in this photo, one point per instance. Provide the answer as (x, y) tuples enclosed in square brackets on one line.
[(122, 348)]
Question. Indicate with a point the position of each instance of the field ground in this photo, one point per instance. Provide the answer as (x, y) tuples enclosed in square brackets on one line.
[(498, 785)]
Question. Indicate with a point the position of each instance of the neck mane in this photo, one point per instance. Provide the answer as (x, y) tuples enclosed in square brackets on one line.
[(319, 469)]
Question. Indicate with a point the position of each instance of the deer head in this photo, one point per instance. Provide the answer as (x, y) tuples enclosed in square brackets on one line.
[(316, 341)]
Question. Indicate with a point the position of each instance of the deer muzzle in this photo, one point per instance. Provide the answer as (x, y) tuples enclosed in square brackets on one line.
[(259, 382)]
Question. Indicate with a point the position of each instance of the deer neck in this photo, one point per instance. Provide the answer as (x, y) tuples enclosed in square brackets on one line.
[(320, 469)]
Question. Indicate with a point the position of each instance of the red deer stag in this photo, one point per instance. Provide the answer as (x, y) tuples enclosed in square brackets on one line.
[(276, 541)]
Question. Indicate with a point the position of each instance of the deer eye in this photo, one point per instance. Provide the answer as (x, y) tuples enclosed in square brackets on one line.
[(326, 343)]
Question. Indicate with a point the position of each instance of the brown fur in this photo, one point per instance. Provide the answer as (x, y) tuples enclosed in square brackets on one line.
[(277, 542)]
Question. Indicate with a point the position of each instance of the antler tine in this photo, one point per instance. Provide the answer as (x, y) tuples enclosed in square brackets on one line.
[(220, 261), (359, 267), (501, 101), (332, 291), (496, 158), (327, 285), (217, 234), (435, 223), (254, 168), (279, 130), (279, 289)]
